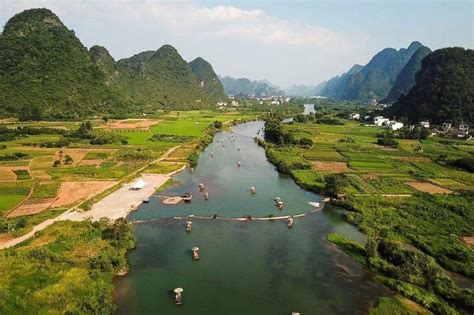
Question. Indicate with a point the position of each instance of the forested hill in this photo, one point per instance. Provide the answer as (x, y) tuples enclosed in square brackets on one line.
[(245, 86), (46, 72), (374, 80), (335, 87), (444, 89), (162, 79), (406, 78), (207, 78)]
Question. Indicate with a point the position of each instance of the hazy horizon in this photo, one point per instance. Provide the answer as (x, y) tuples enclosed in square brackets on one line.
[(287, 43)]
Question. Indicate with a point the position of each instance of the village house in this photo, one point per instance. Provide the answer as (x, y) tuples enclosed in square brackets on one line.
[(395, 125), (354, 116), (446, 127), (380, 120), (463, 128), (425, 124)]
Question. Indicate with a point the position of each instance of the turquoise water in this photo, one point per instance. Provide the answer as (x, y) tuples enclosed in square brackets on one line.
[(245, 267)]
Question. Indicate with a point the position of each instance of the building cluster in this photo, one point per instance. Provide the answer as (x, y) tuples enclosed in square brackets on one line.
[(446, 129), (449, 129)]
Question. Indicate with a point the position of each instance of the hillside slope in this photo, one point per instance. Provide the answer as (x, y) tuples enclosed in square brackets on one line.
[(207, 78), (444, 89), (377, 78), (46, 71), (406, 78)]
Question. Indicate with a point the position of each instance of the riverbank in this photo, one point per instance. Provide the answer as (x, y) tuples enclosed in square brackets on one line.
[(363, 185), (121, 202)]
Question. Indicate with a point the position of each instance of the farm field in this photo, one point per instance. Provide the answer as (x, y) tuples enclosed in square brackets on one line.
[(415, 208), (50, 170), (352, 149)]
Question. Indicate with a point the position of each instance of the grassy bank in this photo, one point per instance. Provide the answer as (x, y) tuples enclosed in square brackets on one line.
[(400, 197), (67, 268)]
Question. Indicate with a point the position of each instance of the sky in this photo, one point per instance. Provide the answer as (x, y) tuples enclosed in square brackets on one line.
[(287, 42)]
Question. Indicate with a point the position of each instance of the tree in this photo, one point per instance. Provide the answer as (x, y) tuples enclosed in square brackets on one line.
[(306, 142), (218, 124), (105, 119), (68, 159), (56, 163)]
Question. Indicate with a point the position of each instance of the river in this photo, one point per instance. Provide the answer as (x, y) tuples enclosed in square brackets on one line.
[(245, 267)]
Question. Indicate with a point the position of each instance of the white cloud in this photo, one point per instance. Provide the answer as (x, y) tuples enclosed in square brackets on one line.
[(237, 42), (219, 22)]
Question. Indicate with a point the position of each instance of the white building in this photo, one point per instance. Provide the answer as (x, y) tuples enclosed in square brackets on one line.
[(425, 124), (380, 120), (354, 116), (234, 103), (446, 127), (463, 128), (395, 125)]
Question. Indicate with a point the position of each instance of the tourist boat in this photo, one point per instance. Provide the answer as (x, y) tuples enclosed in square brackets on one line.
[(253, 190), (315, 204), (289, 224), (196, 253), (278, 202), (238, 163), (189, 226), (187, 197), (201, 186), (147, 200), (206, 196), (178, 296)]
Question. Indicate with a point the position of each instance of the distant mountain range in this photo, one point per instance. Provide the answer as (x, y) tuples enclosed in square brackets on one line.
[(45, 70), (379, 79), (444, 89), (244, 86), (305, 90), (260, 88)]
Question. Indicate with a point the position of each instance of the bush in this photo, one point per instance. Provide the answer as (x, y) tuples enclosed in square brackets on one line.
[(218, 124), (306, 142), (466, 163)]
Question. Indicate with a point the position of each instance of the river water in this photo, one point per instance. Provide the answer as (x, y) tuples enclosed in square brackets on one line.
[(245, 267)]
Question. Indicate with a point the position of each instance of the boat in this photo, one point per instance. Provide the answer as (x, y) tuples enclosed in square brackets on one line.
[(278, 202), (206, 196), (238, 163), (189, 226), (253, 190), (289, 224), (315, 204), (178, 296), (187, 197), (201, 186), (195, 253), (146, 200)]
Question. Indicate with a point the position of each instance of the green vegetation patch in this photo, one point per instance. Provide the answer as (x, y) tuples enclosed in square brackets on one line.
[(397, 306), (66, 268), (22, 174), (12, 194)]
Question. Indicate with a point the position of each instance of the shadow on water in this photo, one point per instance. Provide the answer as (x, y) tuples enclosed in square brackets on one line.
[(245, 267)]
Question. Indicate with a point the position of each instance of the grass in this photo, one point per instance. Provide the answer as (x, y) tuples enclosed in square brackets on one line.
[(12, 194), (97, 155), (67, 268), (22, 174), (397, 306), (162, 167)]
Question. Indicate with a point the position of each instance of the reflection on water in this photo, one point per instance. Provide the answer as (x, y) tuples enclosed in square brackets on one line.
[(245, 267)]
